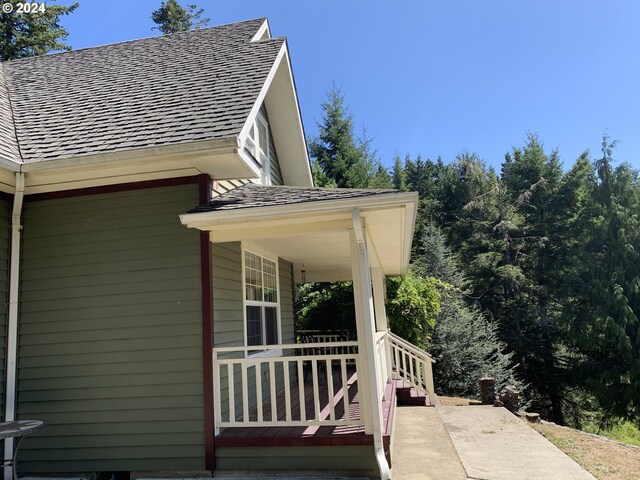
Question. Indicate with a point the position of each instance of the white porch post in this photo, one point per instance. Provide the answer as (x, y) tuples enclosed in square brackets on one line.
[(379, 297), (367, 375)]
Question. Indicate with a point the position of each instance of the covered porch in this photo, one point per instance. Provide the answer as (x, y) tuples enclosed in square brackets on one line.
[(327, 391)]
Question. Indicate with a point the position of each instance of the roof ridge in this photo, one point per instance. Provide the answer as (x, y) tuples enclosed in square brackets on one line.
[(13, 117), (123, 42)]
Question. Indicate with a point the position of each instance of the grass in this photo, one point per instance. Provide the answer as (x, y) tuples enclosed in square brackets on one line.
[(604, 459), (625, 432)]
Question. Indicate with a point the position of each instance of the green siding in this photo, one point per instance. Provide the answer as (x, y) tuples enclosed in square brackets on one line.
[(360, 458), (110, 348), (228, 325), (5, 230), (229, 316)]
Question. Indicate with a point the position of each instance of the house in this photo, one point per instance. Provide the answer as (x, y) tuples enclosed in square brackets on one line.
[(157, 212)]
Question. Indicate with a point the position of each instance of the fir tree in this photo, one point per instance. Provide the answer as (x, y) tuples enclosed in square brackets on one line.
[(34, 33), (172, 17)]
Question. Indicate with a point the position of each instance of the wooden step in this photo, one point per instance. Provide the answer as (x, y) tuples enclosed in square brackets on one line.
[(409, 396)]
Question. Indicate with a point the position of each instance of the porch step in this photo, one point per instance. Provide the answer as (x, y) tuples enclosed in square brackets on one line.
[(409, 396)]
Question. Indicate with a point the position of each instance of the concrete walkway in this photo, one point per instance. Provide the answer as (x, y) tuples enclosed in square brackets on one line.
[(493, 444), (422, 448)]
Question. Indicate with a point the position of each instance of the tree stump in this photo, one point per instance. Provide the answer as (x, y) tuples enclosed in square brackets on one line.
[(487, 390), (510, 398)]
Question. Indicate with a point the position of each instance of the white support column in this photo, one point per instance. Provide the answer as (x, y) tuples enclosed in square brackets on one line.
[(366, 338), (377, 278), (379, 298)]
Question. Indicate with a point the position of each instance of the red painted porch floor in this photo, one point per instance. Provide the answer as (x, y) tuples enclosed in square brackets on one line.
[(313, 435)]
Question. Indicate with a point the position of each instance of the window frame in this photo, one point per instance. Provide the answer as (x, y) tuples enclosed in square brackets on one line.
[(252, 144), (262, 254)]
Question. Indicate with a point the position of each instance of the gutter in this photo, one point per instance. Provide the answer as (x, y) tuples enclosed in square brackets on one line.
[(12, 330)]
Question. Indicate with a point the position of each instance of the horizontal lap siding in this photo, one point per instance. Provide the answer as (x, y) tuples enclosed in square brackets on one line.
[(110, 333), (228, 315)]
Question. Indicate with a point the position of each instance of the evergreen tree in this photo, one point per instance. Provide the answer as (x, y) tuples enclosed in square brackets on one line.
[(603, 302), (171, 17), (465, 344), (399, 175), (34, 33), (338, 155)]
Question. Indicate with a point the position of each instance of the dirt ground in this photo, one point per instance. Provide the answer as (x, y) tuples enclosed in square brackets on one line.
[(605, 459), (456, 402)]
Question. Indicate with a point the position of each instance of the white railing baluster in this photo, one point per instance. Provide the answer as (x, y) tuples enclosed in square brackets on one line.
[(301, 395), (345, 387), (332, 407), (316, 390), (272, 390), (259, 396), (245, 393), (232, 391), (287, 390)]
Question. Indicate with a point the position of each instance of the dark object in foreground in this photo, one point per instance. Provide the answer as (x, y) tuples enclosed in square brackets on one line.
[(20, 429)]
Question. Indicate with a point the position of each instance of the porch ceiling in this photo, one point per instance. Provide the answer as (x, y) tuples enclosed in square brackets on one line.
[(314, 236)]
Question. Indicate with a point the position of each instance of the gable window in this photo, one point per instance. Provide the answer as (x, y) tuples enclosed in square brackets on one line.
[(262, 315), (257, 144)]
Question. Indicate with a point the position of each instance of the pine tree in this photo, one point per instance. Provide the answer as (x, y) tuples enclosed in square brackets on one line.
[(464, 343), (399, 175), (603, 298), (35, 33), (172, 17), (340, 157)]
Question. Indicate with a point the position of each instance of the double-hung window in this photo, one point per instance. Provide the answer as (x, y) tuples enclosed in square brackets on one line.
[(261, 300)]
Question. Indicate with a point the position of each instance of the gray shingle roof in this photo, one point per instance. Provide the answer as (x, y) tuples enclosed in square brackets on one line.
[(253, 195), (8, 143), (197, 85)]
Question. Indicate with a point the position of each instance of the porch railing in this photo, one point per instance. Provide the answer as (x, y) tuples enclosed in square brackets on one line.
[(413, 365), (296, 389)]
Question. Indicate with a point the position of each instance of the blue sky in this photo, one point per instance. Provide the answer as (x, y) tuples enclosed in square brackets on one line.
[(439, 77)]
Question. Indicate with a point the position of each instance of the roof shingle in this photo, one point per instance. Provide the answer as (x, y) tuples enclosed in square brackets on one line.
[(189, 86), (253, 195)]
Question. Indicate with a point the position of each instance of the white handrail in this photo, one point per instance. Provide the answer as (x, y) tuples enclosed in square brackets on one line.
[(413, 365), (285, 346), (411, 347)]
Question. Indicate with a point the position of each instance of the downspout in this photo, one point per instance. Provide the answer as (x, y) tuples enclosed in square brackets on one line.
[(369, 343), (12, 331)]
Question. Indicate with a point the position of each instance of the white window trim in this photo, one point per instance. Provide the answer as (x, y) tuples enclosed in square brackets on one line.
[(253, 146), (273, 258)]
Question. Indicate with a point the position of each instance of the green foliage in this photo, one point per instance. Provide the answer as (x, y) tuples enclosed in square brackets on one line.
[(464, 342), (31, 34), (412, 308), (339, 158), (171, 17), (326, 306), (466, 347)]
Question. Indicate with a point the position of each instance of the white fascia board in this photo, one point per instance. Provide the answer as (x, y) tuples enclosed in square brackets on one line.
[(218, 146), (263, 33), (306, 179), (9, 164), (202, 220), (251, 118), (308, 173)]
